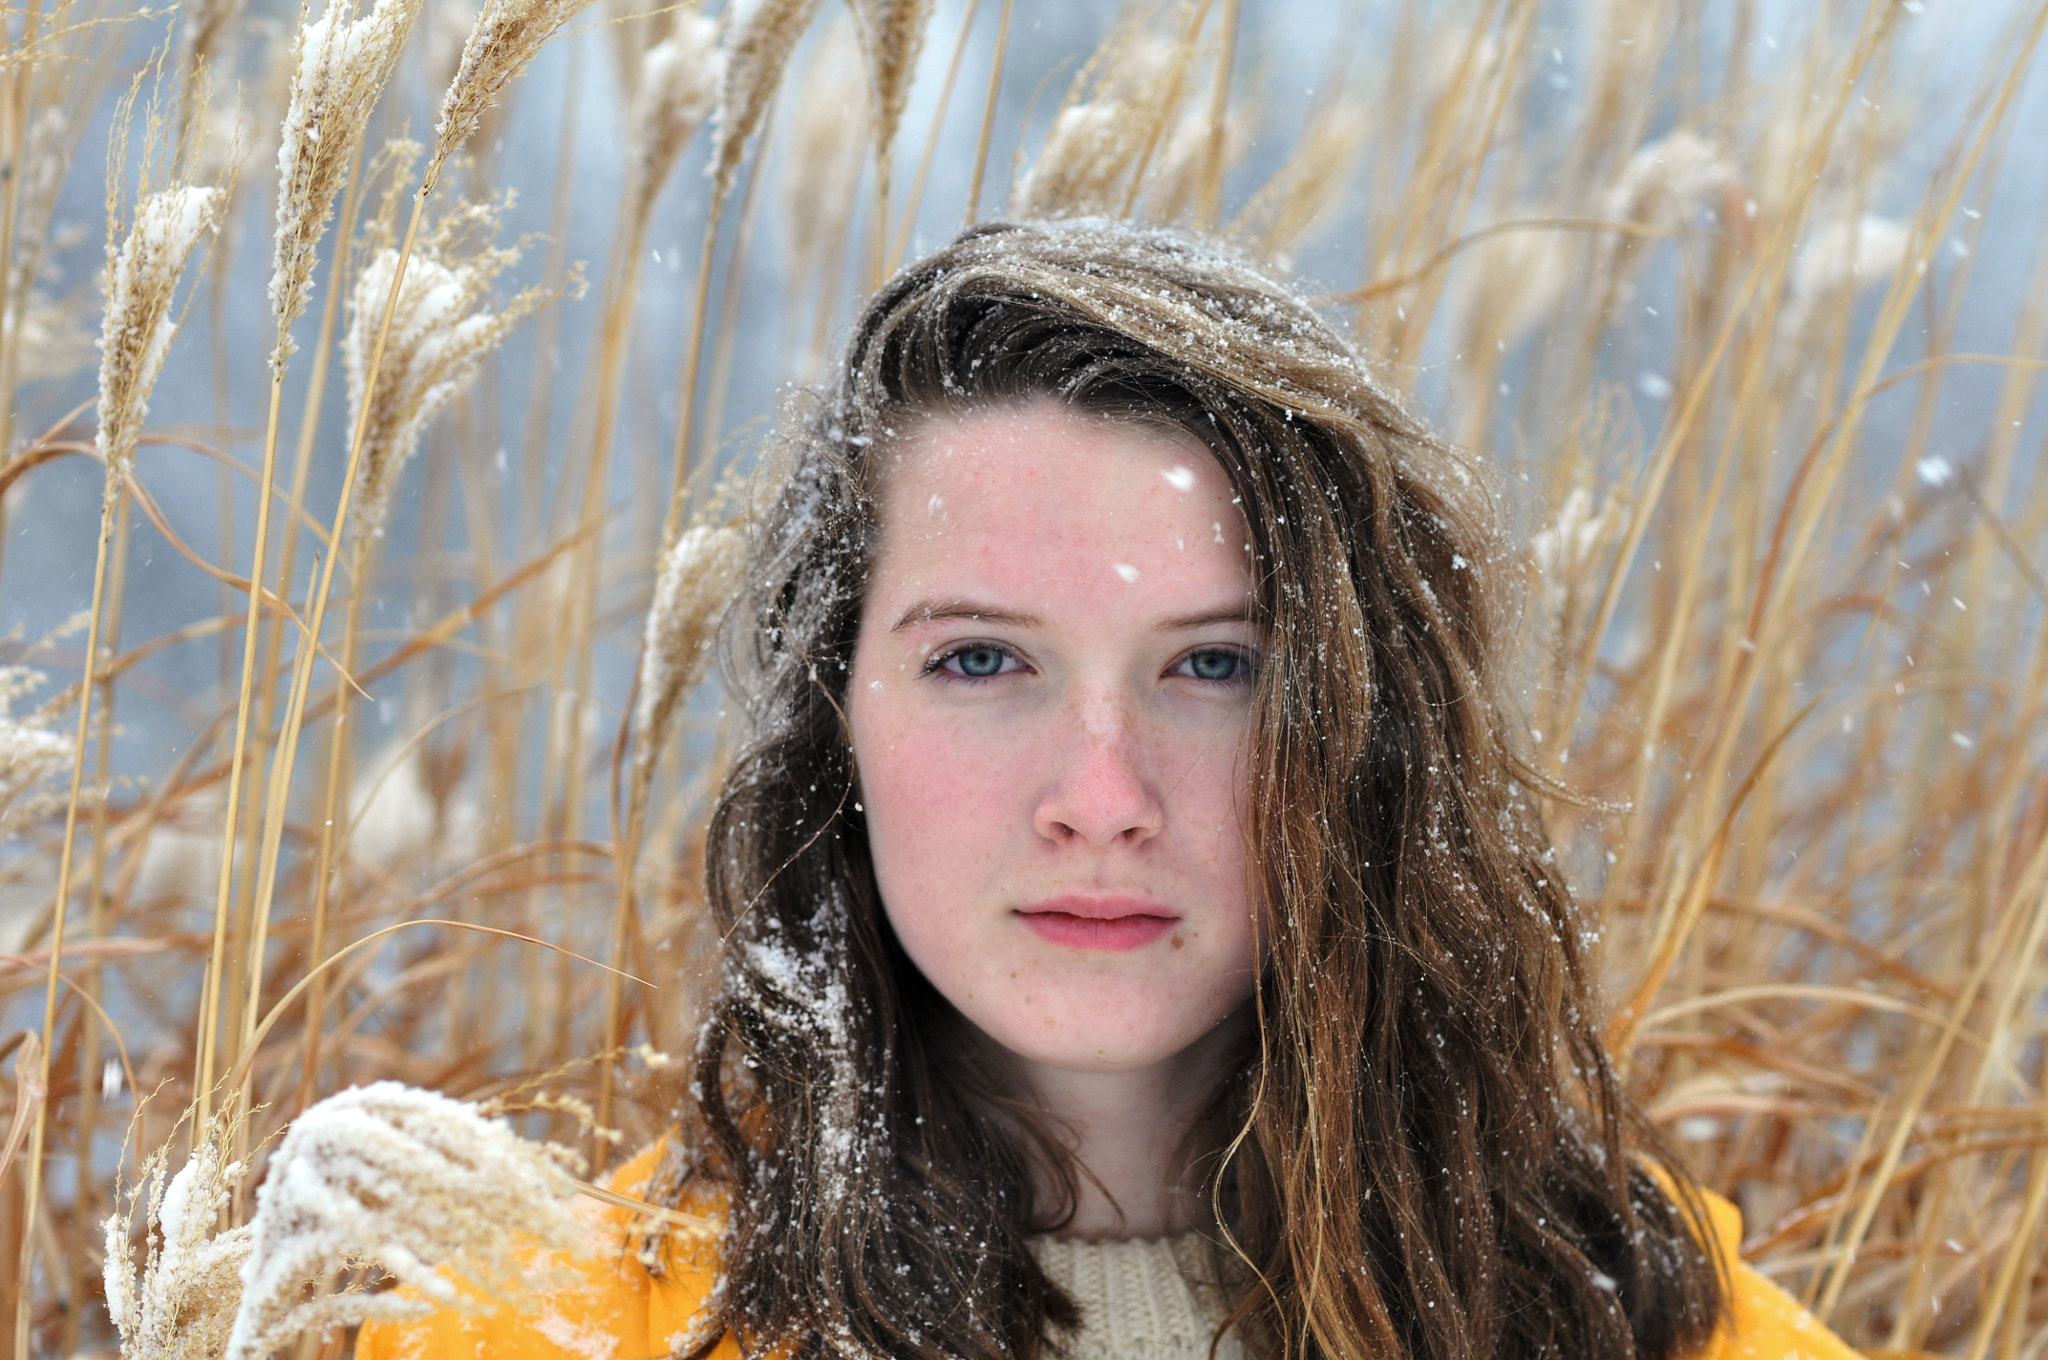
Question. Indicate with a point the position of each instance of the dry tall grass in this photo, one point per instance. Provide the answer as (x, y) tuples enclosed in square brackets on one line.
[(1691, 273)]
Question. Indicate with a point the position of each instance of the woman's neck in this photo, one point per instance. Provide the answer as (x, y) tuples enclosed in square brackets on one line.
[(1130, 1132)]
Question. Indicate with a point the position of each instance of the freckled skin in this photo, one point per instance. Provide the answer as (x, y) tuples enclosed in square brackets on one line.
[(1104, 756)]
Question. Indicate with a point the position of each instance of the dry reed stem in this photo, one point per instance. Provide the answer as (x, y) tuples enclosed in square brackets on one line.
[(340, 67), (140, 282), (988, 112), (693, 582), (892, 36), (931, 138)]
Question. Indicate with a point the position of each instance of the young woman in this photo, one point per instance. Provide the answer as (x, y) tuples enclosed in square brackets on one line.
[(1140, 938)]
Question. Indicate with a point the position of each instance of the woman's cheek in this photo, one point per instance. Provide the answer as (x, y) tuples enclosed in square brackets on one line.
[(931, 799)]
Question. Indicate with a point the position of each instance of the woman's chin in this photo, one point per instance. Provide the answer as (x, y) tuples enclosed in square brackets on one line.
[(1084, 1041)]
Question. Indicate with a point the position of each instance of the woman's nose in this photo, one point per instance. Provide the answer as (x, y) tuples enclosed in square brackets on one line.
[(1100, 794)]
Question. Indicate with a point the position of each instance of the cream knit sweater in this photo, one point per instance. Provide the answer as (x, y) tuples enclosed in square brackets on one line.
[(1146, 1300)]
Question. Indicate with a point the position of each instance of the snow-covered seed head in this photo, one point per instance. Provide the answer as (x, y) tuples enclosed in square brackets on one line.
[(31, 752), (1086, 153), (1670, 181), (440, 332), (1096, 144), (506, 36), (692, 586), (759, 38), (892, 31), (409, 1180), (137, 326), (182, 1307), (679, 83), (822, 161), (340, 65)]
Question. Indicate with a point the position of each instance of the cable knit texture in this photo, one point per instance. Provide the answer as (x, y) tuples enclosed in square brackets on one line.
[(1148, 1300)]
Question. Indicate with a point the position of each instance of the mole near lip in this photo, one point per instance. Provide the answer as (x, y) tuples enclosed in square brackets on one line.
[(1105, 923)]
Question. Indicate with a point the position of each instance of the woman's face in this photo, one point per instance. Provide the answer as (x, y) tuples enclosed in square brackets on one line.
[(1050, 705)]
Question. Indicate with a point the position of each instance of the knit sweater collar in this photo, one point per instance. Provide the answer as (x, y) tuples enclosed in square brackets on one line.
[(1142, 1300)]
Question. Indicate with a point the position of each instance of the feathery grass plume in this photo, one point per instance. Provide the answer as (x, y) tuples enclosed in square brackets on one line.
[(183, 1305), (760, 35), (340, 66), (679, 83), (1097, 142), (506, 36), (439, 335), (1669, 182), (407, 1179), (892, 31), (137, 326), (31, 752), (695, 581), (1847, 253)]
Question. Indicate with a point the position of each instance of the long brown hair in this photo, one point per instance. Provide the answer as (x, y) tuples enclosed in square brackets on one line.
[(1424, 1152)]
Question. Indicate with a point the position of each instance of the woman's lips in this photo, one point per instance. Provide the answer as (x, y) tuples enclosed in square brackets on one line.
[(1099, 922)]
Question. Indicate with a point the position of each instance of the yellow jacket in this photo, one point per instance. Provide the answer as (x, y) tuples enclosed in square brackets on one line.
[(606, 1306)]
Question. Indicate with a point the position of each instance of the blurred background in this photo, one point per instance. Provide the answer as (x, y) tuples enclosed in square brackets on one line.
[(1745, 301)]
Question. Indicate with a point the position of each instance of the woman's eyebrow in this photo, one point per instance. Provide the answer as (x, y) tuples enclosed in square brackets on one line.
[(932, 611), (1207, 619)]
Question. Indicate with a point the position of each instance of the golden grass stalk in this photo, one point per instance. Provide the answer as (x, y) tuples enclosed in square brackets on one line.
[(679, 79), (988, 112), (693, 583), (430, 335), (145, 258), (759, 40), (340, 66)]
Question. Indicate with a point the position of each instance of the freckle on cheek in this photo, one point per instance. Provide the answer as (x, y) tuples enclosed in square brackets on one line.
[(1179, 943)]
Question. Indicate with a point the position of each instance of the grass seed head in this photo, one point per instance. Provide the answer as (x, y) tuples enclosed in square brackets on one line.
[(1096, 143), (137, 326), (440, 333), (679, 84), (892, 31), (506, 36), (340, 67), (404, 1178), (694, 583), (759, 38), (32, 751), (183, 1305)]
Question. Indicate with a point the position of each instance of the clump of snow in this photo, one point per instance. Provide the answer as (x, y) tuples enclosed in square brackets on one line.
[(407, 1179), (31, 751), (136, 327)]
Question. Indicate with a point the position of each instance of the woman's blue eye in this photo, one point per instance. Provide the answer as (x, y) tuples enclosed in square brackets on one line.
[(1215, 664), (977, 662)]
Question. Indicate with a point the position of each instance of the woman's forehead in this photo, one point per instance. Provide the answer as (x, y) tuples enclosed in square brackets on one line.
[(1037, 493)]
